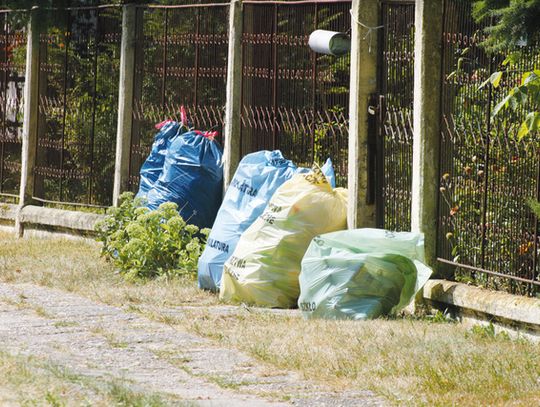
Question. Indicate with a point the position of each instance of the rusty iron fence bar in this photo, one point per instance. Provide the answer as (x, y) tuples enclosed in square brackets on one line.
[(486, 229), (293, 99), (293, 3), (396, 78), (489, 272), (184, 49), (78, 92), (68, 8), (12, 72), (181, 6)]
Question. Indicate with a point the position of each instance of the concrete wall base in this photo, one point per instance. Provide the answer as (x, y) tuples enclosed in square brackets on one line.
[(37, 221), (517, 315)]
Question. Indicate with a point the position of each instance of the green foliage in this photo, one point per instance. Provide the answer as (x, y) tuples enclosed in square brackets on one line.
[(441, 317), (524, 96), (535, 206), (515, 21), (147, 244), (488, 332)]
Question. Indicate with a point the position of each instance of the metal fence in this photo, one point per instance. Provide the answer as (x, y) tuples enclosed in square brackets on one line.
[(12, 72), (181, 60), (486, 228), (293, 99), (396, 79), (78, 99), (486, 232)]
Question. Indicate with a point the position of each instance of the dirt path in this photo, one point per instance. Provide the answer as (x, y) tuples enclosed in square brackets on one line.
[(106, 342)]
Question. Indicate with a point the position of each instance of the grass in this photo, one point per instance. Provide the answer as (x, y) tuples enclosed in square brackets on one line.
[(30, 381), (411, 362), (407, 361), (65, 324), (111, 339), (75, 266)]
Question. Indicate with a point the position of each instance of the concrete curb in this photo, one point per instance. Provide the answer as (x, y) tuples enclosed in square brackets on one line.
[(79, 221), (509, 311), (37, 220), (8, 212)]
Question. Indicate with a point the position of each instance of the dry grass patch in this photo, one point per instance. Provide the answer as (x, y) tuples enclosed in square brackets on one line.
[(76, 266), (409, 362), (33, 382)]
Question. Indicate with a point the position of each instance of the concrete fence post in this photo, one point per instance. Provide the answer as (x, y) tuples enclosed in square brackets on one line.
[(364, 13), (426, 122), (125, 101), (30, 119), (233, 104)]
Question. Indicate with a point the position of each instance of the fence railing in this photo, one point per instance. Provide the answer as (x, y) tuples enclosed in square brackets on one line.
[(395, 138), (79, 55), (292, 98), (486, 233)]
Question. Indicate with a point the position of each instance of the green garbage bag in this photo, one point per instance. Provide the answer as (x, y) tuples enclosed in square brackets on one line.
[(361, 274), (263, 269)]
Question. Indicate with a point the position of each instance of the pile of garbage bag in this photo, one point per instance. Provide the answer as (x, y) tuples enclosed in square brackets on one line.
[(153, 166), (191, 174), (278, 237)]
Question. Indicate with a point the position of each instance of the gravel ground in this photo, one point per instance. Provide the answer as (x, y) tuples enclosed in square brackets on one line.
[(110, 343)]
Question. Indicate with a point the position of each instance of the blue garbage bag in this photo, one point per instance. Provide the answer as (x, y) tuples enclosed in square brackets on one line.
[(256, 179), (152, 167), (328, 170), (192, 177)]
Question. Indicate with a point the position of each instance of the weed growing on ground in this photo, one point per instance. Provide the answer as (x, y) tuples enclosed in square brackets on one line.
[(413, 362), (31, 381), (440, 317), (76, 266), (488, 332)]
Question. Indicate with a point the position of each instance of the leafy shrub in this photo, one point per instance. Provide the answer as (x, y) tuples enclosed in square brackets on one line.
[(535, 206), (146, 244)]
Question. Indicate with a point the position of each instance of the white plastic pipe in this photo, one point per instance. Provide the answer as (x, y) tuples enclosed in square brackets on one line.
[(329, 42)]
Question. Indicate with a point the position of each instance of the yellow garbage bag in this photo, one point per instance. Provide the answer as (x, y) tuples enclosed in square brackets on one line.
[(263, 269)]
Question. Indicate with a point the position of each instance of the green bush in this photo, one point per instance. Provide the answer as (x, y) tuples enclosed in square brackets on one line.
[(146, 244)]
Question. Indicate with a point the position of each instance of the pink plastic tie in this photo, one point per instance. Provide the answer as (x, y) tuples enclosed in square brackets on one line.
[(163, 123), (183, 116)]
